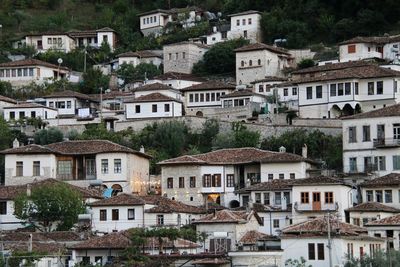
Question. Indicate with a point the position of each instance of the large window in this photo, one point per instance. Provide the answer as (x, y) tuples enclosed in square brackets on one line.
[(371, 89), (378, 196), (160, 219), (351, 49), (309, 92), (347, 88), (396, 131), (380, 163), (3, 207), (117, 166), (115, 214), (19, 168), (333, 89), (379, 88), (36, 168), (131, 214), (103, 215), (311, 251), (340, 89), (137, 108), (192, 181), (353, 164), (257, 197), (278, 198), (276, 223), (266, 199), (64, 168), (216, 180), (366, 133), (388, 196), (396, 162), (154, 108), (320, 251), (207, 180), (305, 198), (370, 195), (319, 91), (170, 182), (230, 180), (352, 134), (181, 182), (104, 166), (329, 197)]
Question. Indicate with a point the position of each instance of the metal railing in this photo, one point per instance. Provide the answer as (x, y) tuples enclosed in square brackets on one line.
[(304, 207), (386, 142)]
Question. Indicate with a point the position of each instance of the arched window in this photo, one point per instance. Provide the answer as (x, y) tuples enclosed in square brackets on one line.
[(250, 62)]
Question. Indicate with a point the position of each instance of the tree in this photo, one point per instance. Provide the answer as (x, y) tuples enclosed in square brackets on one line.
[(239, 136), (48, 136), (49, 207), (305, 63), (6, 89), (93, 80), (129, 73), (208, 133)]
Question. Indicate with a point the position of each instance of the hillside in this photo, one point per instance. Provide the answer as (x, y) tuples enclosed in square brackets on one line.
[(301, 22)]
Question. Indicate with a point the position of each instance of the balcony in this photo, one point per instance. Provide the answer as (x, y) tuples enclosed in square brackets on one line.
[(386, 143), (316, 207), (360, 169)]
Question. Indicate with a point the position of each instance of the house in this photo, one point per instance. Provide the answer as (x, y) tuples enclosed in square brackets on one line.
[(310, 241), (95, 38), (181, 57), (341, 89), (379, 47), (6, 102), (246, 25), (151, 88), (367, 212), (146, 56), (106, 249), (245, 98), (8, 194), (154, 105), (218, 33), (26, 110), (256, 61), (70, 104), (58, 41), (24, 72), (387, 228), (79, 163), (370, 142), (316, 196), (213, 177), (176, 80), (205, 95)]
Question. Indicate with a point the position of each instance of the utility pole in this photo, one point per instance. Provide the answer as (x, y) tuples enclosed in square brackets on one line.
[(84, 60), (329, 240)]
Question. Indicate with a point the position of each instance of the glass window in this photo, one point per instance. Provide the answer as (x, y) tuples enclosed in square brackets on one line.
[(278, 198), (192, 181), (285, 92), (154, 108), (216, 180), (321, 252), (64, 167), (311, 251), (352, 134), (309, 92), (379, 88), (170, 182), (266, 199), (137, 109), (294, 91), (166, 107), (380, 163), (388, 196), (378, 196), (340, 89), (329, 197), (370, 196), (276, 223), (396, 162), (319, 91), (115, 214), (371, 88), (181, 182), (104, 166), (36, 168), (286, 195), (207, 180), (230, 180), (347, 88), (19, 168), (292, 175), (366, 133), (396, 131), (237, 22), (3, 207), (356, 88), (160, 219), (117, 166), (103, 215), (260, 88), (69, 104), (281, 176), (131, 214), (257, 197), (304, 197), (191, 98)]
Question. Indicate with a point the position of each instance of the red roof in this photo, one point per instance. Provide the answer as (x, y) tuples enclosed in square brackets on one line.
[(31, 62), (227, 216), (261, 46)]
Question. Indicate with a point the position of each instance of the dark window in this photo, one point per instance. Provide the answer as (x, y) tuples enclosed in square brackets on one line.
[(333, 90), (69, 104), (3, 207), (230, 180), (294, 91), (309, 92), (103, 215), (207, 180), (137, 109), (319, 91), (216, 180), (379, 88), (181, 182), (266, 199), (33, 114), (329, 197), (281, 176), (340, 89), (276, 223), (131, 214), (36, 168), (115, 214), (371, 88), (12, 115), (356, 88), (370, 195), (166, 107), (19, 168), (366, 133), (250, 62), (270, 176), (292, 175), (191, 98), (285, 92), (260, 88), (22, 114), (192, 181), (388, 196), (154, 108), (347, 88), (311, 251), (321, 252), (160, 219), (170, 182), (351, 49), (378, 196), (352, 134), (304, 197)]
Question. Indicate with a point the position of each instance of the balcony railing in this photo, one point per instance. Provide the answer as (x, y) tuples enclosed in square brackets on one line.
[(316, 207), (386, 142), (360, 169)]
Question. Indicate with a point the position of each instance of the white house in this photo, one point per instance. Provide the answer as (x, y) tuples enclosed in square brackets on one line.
[(57, 41), (79, 163), (154, 105), (256, 61), (176, 80), (244, 98), (213, 177), (335, 90), (181, 57), (159, 88), (387, 228), (367, 212), (380, 47), (246, 25), (146, 56), (95, 38), (309, 240), (24, 72), (27, 110), (370, 142), (6, 102)]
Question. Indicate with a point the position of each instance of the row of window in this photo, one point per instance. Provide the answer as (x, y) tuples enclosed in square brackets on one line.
[(22, 114), (25, 72), (149, 20), (209, 180), (265, 198), (242, 63), (339, 89), (366, 132), (117, 166), (115, 214), (351, 49), (54, 41), (237, 102), (60, 104), (205, 97), (356, 221), (243, 22), (19, 170), (381, 196), (305, 197), (379, 163), (281, 176), (154, 108), (176, 56), (316, 251)]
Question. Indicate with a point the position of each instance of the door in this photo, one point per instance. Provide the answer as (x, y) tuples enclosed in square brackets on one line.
[(90, 169), (316, 204), (39, 44)]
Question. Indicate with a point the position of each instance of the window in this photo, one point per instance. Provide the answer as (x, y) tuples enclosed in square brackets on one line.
[(115, 214), (266, 199), (388, 196), (286, 195), (192, 181), (281, 176), (117, 166), (371, 88), (201, 97), (242, 63), (311, 251), (98, 260), (216, 180), (352, 134), (230, 180), (131, 214), (14, 73), (259, 62), (321, 252), (333, 89), (12, 115), (379, 88), (396, 162), (69, 104), (260, 88), (183, 55), (243, 21), (49, 41), (356, 88), (304, 197), (3, 207), (309, 92), (351, 49), (154, 108), (270, 176), (176, 56), (104, 166), (244, 34), (207, 180), (237, 22), (340, 89), (64, 168), (378, 196), (380, 163), (169, 56), (329, 197), (276, 223), (22, 114), (366, 133), (257, 197), (294, 91), (285, 92), (278, 199), (181, 182), (160, 219), (292, 175), (250, 62), (36, 168), (319, 91), (353, 164), (356, 221), (20, 168), (33, 114), (191, 98), (103, 215), (370, 195), (207, 97), (347, 88), (105, 38), (249, 21), (166, 107), (170, 182), (137, 109), (396, 131), (212, 96)]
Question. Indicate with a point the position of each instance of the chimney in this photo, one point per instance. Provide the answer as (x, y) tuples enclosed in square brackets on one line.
[(15, 143), (282, 149), (141, 149), (304, 151)]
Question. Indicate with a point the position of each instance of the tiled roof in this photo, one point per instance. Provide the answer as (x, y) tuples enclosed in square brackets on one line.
[(276, 184), (166, 205), (319, 227), (249, 12), (388, 221), (111, 95), (391, 179), (105, 29), (373, 207), (209, 85), (258, 207), (152, 87), (244, 92), (261, 46), (27, 105), (236, 156), (68, 93), (153, 97), (389, 111), (30, 62), (7, 99), (372, 40), (89, 33), (179, 76), (333, 66), (319, 180), (226, 216), (139, 54), (76, 147), (154, 11), (251, 237), (12, 191), (189, 43), (119, 200), (270, 79)]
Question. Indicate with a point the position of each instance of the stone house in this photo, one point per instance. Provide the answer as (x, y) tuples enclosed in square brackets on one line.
[(387, 228), (181, 57), (146, 56), (246, 25)]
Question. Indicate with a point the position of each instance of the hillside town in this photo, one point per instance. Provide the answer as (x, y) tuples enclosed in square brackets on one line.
[(79, 185)]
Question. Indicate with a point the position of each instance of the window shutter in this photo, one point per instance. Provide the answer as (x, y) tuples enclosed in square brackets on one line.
[(212, 245)]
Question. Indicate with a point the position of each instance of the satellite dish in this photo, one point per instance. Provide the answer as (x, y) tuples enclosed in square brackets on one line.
[(59, 61), (198, 18)]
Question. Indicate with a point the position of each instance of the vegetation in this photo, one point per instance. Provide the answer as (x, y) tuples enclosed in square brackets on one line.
[(297, 263), (48, 136), (50, 207), (380, 258), (128, 73)]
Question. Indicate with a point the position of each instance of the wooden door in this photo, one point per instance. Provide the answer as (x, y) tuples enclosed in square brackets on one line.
[(316, 204)]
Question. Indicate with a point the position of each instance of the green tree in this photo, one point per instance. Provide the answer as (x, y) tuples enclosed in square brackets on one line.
[(93, 80), (49, 207), (239, 136), (297, 263), (129, 73), (305, 63), (48, 136), (6, 89)]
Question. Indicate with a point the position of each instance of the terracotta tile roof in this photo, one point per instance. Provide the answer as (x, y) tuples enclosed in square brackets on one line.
[(261, 46), (88, 33), (319, 227), (119, 200), (391, 179), (244, 92), (153, 97), (7, 99), (210, 85), (226, 216), (258, 207), (30, 63), (69, 93), (373, 207), (105, 29), (189, 43), (388, 221), (270, 79), (276, 184), (153, 87), (179, 76), (236, 156), (319, 180), (166, 205), (251, 237), (380, 40), (27, 105), (139, 54), (333, 66), (111, 95), (389, 111), (249, 12), (165, 11), (29, 149)]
